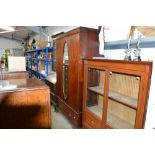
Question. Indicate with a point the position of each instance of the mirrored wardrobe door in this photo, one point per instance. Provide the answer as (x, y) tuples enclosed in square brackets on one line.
[(65, 71)]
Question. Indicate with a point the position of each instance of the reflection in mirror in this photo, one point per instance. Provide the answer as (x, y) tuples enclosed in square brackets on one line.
[(65, 71)]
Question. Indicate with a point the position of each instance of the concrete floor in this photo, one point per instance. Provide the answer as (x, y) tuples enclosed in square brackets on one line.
[(59, 121)]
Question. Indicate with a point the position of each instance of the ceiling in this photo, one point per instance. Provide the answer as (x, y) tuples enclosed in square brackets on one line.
[(21, 33)]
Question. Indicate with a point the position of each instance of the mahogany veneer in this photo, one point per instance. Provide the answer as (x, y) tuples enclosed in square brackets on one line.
[(27, 106)]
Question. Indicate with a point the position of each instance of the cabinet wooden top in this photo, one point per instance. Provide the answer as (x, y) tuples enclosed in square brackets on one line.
[(77, 30), (121, 65), (22, 85), (5, 71), (119, 61)]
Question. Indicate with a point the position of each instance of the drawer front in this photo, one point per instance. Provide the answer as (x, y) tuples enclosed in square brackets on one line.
[(60, 104), (29, 109), (92, 122), (38, 97), (74, 118), (86, 126), (107, 126)]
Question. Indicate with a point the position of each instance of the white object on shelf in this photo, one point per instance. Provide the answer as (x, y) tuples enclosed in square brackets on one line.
[(16, 64), (5, 85), (10, 87), (52, 78), (101, 40), (42, 72), (99, 58)]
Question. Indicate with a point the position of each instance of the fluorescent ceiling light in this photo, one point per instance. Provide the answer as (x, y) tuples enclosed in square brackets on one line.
[(8, 28)]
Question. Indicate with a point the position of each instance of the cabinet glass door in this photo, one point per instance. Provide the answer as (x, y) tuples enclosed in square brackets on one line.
[(122, 100), (65, 71), (95, 91)]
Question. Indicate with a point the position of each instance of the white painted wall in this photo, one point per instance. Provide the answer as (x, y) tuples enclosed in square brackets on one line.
[(14, 46), (9, 43)]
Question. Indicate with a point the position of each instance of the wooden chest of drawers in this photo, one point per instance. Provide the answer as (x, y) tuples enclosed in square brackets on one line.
[(27, 106)]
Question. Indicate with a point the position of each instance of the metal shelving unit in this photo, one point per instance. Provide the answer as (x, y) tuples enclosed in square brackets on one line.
[(33, 57)]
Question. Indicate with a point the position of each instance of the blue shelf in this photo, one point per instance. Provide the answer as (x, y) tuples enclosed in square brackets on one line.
[(49, 60), (41, 49), (38, 59), (36, 53)]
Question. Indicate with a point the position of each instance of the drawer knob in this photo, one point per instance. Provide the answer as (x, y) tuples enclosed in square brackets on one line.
[(92, 122)]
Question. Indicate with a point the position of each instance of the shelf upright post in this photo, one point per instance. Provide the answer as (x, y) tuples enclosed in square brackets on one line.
[(31, 62), (46, 61), (37, 63)]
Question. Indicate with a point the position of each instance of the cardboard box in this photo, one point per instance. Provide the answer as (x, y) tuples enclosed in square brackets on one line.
[(42, 44)]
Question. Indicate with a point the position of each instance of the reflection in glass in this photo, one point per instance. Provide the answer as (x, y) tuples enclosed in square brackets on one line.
[(122, 100), (95, 91), (54, 56), (65, 71)]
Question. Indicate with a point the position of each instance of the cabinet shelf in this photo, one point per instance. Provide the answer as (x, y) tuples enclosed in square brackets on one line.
[(123, 99), (97, 89), (111, 118), (118, 123), (96, 110)]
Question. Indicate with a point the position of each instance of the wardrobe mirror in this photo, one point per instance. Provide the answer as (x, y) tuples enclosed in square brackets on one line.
[(65, 70)]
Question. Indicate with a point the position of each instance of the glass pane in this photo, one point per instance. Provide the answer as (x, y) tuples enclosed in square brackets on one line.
[(95, 91), (65, 71), (122, 100)]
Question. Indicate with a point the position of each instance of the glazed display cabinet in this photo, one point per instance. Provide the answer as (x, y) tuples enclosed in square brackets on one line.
[(115, 93)]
